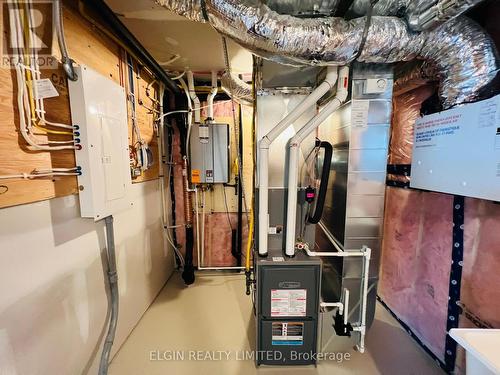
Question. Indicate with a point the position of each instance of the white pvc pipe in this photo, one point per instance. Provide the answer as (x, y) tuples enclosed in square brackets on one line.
[(346, 305), (265, 142), (197, 212), (330, 237), (366, 254), (294, 146), (340, 305), (221, 268), (194, 98), (202, 226), (362, 326), (340, 254), (211, 96)]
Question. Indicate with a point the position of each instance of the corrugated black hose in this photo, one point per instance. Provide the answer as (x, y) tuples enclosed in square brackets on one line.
[(325, 175)]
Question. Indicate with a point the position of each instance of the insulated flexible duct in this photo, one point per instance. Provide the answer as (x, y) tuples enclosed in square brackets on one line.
[(237, 88), (420, 14), (303, 6), (464, 55)]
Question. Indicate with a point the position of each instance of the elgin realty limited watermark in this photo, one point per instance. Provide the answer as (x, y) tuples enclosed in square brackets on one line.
[(245, 355)]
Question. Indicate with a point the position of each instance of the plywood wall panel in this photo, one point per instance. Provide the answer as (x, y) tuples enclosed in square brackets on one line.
[(86, 45)]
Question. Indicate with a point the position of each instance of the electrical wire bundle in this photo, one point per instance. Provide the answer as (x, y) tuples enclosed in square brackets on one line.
[(30, 105), (32, 122)]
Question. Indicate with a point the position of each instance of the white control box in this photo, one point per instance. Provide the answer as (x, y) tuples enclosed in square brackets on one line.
[(458, 151), (99, 108)]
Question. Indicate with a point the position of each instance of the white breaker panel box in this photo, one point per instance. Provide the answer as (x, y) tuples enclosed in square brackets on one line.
[(99, 108), (209, 153), (458, 151)]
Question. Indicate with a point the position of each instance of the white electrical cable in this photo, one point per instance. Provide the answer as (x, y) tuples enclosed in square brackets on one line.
[(178, 77), (34, 174), (24, 106), (35, 69)]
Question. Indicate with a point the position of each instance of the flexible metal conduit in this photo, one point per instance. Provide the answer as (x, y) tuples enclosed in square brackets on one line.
[(67, 62), (112, 277)]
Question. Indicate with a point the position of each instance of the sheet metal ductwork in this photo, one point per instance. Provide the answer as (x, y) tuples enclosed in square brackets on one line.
[(238, 89), (463, 54)]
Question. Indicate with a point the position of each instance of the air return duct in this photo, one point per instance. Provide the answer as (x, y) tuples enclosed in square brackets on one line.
[(463, 54)]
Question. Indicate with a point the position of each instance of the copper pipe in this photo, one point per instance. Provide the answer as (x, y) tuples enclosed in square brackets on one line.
[(188, 204)]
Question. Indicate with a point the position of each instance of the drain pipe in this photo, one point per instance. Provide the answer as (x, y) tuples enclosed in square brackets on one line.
[(113, 288), (194, 98), (264, 144), (366, 253), (294, 146), (211, 96)]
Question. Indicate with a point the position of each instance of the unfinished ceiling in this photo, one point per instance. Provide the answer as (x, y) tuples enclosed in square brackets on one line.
[(177, 43)]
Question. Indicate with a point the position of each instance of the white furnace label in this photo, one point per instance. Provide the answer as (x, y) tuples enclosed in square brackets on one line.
[(359, 112), (288, 302), (45, 89), (287, 333)]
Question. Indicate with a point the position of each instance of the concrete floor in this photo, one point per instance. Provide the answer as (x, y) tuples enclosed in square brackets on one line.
[(215, 315)]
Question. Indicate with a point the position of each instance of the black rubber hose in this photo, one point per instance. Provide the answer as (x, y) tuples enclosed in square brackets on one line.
[(168, 105), (325, 175), (188, 273), (114, 297)]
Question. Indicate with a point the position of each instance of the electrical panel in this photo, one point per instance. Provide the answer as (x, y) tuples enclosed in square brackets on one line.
[(209, 153), (99, 108), (458, 151)]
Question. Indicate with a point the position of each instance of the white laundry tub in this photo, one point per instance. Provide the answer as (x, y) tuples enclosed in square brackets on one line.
[(483, 349)]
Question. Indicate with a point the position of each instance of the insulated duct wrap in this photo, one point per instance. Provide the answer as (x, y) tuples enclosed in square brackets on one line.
[(465, 56), (238, 89), (382, 8), (303, 6)]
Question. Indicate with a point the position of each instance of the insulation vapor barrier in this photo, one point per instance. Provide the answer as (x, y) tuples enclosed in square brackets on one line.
[(416, 262), (463, 54), (406, 110)]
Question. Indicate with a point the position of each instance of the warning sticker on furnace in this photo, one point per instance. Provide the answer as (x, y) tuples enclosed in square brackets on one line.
[(287, 333), (288, 302)]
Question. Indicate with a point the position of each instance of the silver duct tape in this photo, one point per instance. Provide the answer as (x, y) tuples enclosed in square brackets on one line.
[(463, 54), (239, 89)]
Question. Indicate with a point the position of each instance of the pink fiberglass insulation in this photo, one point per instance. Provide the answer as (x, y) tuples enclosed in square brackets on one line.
[(218, 239), (416, 257), (480, 291), (406, 110)]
